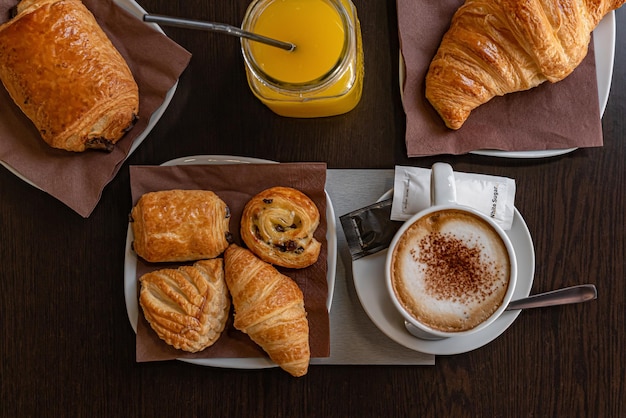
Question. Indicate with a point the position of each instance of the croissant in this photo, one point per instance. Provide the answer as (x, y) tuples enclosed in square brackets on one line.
[(187, 307), (63, 72), (278, 226), (495, 47), (180, 225), (269, 307)]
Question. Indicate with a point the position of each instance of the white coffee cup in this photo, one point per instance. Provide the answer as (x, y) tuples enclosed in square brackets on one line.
[(450, 270)]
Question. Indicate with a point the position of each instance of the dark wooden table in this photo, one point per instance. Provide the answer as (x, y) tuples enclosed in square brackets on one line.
[(67, 348)]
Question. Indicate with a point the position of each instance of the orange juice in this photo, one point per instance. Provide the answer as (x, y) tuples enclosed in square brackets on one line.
[(313, 25), (323, 76)]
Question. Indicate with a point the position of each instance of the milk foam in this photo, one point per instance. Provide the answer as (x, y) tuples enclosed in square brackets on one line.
[(451, 270)]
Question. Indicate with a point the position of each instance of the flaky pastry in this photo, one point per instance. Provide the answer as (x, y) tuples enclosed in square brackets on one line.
[(495, 47), (278, 226), (180, 225), (66, 76), (269, 307), (187, 307)]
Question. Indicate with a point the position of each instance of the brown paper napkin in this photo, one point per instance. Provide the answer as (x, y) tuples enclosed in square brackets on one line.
[(551, 116), (236, 184), (78, 179)]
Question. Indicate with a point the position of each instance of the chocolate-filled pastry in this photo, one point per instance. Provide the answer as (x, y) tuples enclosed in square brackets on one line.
[(180, 225), (66, 76), (269, 307), (187, 307), (278, 226)]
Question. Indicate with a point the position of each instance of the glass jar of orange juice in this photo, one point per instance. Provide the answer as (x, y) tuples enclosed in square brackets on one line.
[(323, 76)]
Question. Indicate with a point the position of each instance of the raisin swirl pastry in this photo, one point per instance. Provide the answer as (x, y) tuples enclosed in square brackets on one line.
[(187, 307), (278, 226), (180, 225)]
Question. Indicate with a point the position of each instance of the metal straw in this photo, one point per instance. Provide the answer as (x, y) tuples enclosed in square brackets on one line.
[(216, 27)]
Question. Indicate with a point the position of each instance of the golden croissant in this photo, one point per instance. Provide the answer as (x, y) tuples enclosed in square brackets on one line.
[(269, 307), (495, 47)]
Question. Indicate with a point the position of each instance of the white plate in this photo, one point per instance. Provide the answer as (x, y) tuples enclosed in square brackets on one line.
[(369, 280), (604, 47), (130, 264), (136, 10)]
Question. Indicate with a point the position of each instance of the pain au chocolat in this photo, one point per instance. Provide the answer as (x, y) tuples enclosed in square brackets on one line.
[(180, 225), (63, 72)]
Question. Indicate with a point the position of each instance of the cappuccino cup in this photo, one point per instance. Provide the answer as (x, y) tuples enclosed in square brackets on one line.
[(450, 269)]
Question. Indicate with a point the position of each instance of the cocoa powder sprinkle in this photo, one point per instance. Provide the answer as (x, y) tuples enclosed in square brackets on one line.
[(453, 270)]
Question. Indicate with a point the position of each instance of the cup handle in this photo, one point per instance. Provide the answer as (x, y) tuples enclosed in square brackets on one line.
[(442, 185)]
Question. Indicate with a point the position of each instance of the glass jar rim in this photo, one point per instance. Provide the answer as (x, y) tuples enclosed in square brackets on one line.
[(254, 10)]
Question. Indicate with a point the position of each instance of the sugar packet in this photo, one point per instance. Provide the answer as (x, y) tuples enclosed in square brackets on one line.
[(491, 195)]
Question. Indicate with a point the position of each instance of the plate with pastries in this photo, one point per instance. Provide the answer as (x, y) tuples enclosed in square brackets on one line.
[(230, 262), (80, 91), (505, 78)]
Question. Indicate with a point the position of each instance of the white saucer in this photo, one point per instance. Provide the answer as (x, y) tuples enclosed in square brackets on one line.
[(130, 265), (369, 280)]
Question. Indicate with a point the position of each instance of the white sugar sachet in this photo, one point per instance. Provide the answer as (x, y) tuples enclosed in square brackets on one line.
[(491, 195)]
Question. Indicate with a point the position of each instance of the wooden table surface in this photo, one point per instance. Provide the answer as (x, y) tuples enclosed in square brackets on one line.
[(66, 345)]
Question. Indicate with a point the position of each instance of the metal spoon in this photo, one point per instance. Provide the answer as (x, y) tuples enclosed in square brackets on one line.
[(216, 27), (566, 295)]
